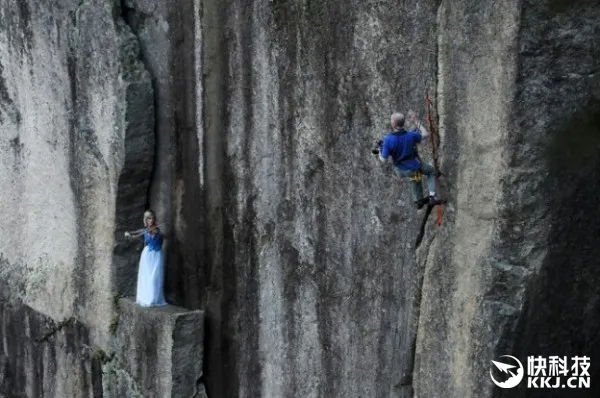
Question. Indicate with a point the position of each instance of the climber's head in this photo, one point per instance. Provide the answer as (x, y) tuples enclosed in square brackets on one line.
[(149, 218), (397, 121)]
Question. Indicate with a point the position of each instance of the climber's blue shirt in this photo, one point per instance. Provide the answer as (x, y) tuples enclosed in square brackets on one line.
[(154, 243), (401, 146)]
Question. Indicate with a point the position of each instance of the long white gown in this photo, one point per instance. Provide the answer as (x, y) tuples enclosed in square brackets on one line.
[(151, 271)]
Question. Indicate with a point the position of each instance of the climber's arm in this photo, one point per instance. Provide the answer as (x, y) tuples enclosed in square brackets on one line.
[(423, 130), (384, 153), (414, 118)]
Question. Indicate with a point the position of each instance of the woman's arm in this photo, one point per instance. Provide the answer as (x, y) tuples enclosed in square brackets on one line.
[(135, 234)]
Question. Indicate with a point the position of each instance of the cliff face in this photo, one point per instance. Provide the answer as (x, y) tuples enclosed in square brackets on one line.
[(513, 272), (309, 239), (248, 126), (78, 153), (77, 144)]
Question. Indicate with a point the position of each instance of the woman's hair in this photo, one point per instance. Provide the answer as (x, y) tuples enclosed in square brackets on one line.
[(147, 215)]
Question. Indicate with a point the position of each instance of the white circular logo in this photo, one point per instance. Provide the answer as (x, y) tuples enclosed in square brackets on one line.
[(514, 379)]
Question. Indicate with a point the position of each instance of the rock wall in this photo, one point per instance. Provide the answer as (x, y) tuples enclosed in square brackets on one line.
[(309, 238), (77, 140), (158, 353), (171, 48), (77, 121), (559, 103), (463, 317), (319, 238), (512, 270), (41, 357)]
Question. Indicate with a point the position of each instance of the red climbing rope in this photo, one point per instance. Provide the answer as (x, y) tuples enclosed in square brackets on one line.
[(432, 134)]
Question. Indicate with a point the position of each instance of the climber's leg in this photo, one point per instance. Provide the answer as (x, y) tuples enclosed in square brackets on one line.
[(417, 185), (430, 172)]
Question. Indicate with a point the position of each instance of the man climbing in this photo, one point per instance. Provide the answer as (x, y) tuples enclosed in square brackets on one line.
[(401, 145)]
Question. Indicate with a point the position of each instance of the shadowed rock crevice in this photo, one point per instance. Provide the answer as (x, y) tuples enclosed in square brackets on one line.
[(7, 105), (170, 48), (423, 226), (138, 161), (184, 277), (152, 26), (134, 19), (220, 193), (562, 299)]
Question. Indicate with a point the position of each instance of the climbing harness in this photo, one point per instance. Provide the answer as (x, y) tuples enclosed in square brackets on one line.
[(432, 134), (418, 177)]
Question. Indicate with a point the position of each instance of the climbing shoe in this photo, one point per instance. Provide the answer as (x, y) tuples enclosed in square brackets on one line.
[(433, 201), (421, 202)]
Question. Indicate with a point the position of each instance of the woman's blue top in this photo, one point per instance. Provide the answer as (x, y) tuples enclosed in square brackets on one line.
[(154, 243)]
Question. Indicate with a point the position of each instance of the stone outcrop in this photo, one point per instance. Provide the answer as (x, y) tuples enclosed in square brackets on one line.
[(160, 349)]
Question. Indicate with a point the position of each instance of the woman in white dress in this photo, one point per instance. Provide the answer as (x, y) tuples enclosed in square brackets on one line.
[(151, 271)]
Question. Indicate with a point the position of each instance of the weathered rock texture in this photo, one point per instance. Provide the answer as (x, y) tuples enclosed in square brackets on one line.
[(308, 238), (281, 225), (78, 148), (327, 294), (513, 271), (77, 157), (159, 348), (168, 33), (42, 357)]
